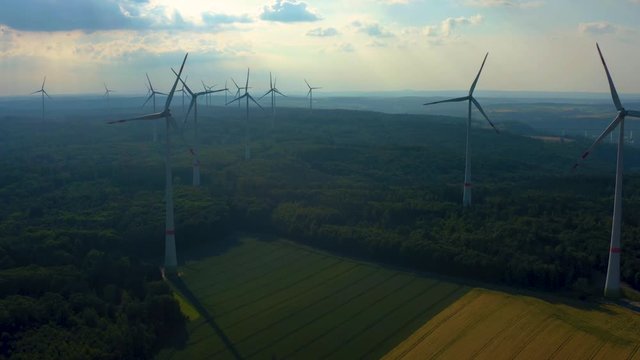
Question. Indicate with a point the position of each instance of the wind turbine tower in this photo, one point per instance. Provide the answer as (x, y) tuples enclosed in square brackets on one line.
[(310, 94), (612, 284), (247, 96), (466, 197), (170, 257), (43, 92), (194, 105), (273, 90), (152, 95)]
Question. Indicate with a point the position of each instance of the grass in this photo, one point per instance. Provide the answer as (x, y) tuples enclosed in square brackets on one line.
[(496, 325), (275, 299)]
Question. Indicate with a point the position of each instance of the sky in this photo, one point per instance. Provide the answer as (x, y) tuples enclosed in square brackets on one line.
[(341, 46)]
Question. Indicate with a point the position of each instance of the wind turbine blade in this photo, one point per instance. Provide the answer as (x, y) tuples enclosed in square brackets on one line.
[(254, 100), (305, 80), (172, 123), (475, 82), (464, 98), (35, 92), (193, 101), (633, 113), (246, 86), (237, 99), (477, 104), (278, 92), (175, 83), (43, 82), (236, 84), (145, 117), (275, 80), (604, 134), (149, 98), (265, 94), (184, 85), (149, 80), (213, 91), (47, 94), (161, 93), (270, 81), (614, 93)]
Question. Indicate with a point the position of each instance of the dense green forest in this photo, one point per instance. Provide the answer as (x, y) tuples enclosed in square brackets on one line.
[(81, 226)]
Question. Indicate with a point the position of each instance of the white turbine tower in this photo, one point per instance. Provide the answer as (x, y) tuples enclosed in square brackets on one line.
[(43, 92), (170, 257), (273, 90), (247, 96), (466, 197), (194, 105), (152, 95), (612, 284), (310, 94)]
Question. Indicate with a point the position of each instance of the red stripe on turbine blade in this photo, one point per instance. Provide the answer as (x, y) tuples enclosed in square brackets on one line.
[(170, 232), (615, 250)]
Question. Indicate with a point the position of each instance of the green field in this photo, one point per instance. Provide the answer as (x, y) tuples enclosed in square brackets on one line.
[(262, 300), (276, 299)]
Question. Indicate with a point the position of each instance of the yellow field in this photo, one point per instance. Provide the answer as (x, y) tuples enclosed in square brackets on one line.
[(486, 324)]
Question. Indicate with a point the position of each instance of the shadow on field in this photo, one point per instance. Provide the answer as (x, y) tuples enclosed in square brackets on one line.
[(193, 300)]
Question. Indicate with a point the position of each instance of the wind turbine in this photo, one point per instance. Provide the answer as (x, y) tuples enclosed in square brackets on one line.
[(152, 95), (238, 91), (273, 90), (43, 92), (466, 197), (247, 96), (310, 94), (194, 104), (170, 257), (612, 284), (107, 91)]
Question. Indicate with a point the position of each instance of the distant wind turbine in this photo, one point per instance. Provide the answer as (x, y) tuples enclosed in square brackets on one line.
[(273, 90), (612, 284), (170, 257), (107, 91), (310, 94), (247, 96), (466, 197), (238, 91), (181, 90), (194, 104), (152, 95), (43, 92)]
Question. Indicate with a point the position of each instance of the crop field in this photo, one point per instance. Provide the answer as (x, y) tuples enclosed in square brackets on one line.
[(492, 325), (278, 300)]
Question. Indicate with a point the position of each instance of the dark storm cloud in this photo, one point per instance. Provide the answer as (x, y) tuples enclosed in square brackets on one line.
[(66, 15)]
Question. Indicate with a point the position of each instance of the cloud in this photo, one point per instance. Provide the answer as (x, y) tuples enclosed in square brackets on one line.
[(67, 15), (597, 28), (372, 29), (288, 11), (216, 20), (449, 24), (519, 4), (320, 32), (398, 2)]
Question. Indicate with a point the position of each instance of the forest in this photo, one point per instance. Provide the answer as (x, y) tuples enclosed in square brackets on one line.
[(82, 221)]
